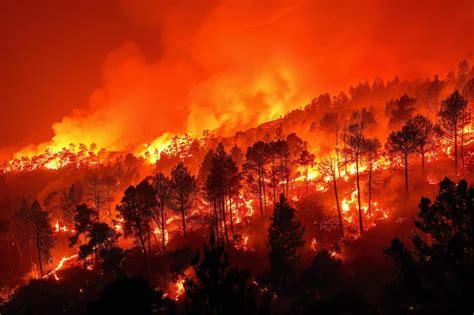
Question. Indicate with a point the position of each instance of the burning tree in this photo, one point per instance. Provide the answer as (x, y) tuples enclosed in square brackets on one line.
[(285, 236), (183, 185), (222, 184), (373, 151), (454, 116), (279, 172), (328, 167), (428, 135), (255, 160), (136, 210), (356, 147), (163, 189), (401, 144), (305, 160)]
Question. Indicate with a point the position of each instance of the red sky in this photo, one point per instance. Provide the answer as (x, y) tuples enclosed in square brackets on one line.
[(141, 68)]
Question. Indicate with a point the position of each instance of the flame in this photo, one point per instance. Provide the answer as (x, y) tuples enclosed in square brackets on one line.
[(59, 266)]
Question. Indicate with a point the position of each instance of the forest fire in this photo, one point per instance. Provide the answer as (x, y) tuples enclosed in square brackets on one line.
[(211, 158)]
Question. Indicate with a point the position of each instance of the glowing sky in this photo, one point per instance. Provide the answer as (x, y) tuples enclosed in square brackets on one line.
[(140, 68)]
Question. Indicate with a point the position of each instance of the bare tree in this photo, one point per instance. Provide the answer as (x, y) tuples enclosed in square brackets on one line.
[(163, 189), (356, 147), (305, 160), (255, 160), (328, 167), (373, 151)]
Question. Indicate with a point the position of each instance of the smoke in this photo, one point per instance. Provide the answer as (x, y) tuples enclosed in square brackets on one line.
[(229, 65)]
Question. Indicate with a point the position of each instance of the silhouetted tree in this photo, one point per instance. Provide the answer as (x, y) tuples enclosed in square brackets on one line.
[(427, 136), (183, 186), (163, 190), (372, 153), (356, 147), (255, 160), (94, 193), (279, 159), (69, 200), (136, 210), (285, 236), (401, 144), (305, 160), (84, 217), (439, 276), (218, 287), (24, 228), (404, 109), (328, 167), (43, 233), (222, 184), (101, 239), (452, 114)]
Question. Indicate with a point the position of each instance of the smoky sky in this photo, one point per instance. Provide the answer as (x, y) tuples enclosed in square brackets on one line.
[(120, 73)]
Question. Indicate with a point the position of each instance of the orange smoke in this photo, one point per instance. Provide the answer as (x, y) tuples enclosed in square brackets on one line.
[(229, 65)]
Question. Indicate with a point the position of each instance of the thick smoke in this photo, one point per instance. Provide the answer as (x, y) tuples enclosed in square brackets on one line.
[(229, 65)]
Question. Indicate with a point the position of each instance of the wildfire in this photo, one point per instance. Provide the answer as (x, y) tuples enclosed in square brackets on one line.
[(58, 228), (59, 266)]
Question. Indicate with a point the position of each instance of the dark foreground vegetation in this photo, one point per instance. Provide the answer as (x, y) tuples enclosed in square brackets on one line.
[(434, 275)]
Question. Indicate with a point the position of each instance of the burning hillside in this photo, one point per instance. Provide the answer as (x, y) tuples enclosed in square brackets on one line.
[(205, 175)]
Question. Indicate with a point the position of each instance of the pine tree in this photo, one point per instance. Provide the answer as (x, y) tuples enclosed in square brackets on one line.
[(453, 114), (183, 185), (218, 288), (136, 209), (43, 233), (285, 236), (163, 190), (427, 136), (401, 144)]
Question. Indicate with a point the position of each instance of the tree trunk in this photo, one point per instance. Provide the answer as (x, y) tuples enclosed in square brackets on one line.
[(369, 209), (456, 149), (183, 217), (163, 238), (273, 179), (224, 218), (462, 146), (260, 192), (30, 260), (231, 216), (361, 225), (264, 192), (406, 173), (145, 254), (422, 159), (341, 226), (306, 177)]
